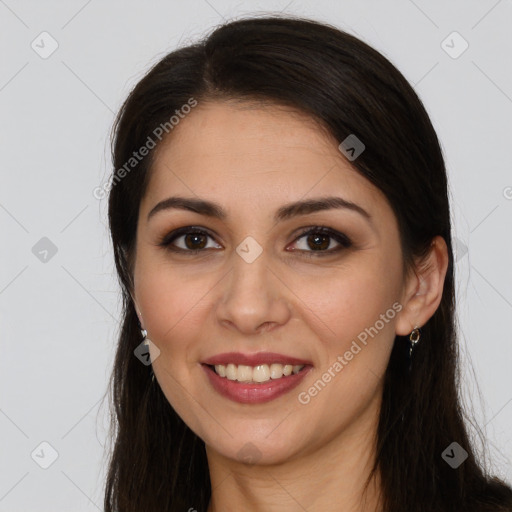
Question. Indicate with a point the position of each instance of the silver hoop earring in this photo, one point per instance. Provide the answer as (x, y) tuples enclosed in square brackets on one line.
[(146, 343)]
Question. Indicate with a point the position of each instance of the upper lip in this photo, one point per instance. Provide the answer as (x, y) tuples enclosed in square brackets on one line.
[(254, 359)]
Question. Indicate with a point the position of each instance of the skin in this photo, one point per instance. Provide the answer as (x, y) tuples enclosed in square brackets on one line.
[(253, 159)]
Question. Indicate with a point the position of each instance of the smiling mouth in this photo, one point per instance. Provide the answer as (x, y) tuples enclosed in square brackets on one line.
[(258, 374)]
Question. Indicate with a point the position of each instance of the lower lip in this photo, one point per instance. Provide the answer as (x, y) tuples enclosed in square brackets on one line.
[(254, 393)]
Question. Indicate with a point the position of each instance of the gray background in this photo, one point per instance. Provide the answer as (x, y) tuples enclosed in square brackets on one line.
[(59, 316)]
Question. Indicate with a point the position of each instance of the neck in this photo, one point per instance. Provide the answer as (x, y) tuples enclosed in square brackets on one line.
[(325, 479)]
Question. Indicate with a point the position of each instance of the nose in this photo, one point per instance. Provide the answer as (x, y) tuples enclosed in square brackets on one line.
[(254, 298)]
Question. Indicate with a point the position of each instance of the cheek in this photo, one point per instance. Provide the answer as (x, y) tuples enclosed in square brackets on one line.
[(355, 337), (345, 302), (352, 317), (170, 305)]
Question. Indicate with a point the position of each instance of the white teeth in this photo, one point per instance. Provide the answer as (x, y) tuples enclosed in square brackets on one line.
[(244, 373), (276, 371), (231, 372), (260, 373)]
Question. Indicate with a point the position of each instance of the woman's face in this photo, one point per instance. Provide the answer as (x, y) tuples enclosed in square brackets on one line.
[(258, 283)]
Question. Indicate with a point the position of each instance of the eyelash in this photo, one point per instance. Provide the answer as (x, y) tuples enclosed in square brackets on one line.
[(341, 238)]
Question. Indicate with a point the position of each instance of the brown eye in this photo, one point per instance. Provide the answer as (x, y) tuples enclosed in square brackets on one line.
[(193, 240), (319, 240)]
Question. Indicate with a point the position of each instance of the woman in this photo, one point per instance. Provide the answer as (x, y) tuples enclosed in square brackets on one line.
[(281, 230)]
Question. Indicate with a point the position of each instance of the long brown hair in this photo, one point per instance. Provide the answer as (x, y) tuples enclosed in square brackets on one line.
[(157, 462)]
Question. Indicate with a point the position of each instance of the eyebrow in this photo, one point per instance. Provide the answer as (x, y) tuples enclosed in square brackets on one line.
[(303, 207)]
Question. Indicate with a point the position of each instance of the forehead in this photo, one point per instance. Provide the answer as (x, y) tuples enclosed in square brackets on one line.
[(227, 131), (230, 151)]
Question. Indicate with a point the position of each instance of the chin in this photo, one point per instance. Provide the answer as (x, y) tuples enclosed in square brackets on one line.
[(253, 452)]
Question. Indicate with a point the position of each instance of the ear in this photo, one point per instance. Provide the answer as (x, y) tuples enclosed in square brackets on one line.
[(424, 289)]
